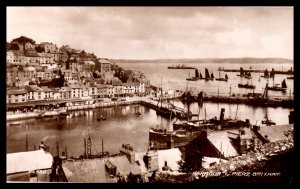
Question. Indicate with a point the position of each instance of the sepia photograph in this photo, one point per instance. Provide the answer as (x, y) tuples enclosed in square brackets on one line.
[(137, 94)]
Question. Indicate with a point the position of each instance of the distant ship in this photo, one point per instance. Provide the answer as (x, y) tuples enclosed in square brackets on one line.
[(180, 66)]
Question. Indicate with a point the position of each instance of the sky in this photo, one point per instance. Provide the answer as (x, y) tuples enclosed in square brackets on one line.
[(160, 32)]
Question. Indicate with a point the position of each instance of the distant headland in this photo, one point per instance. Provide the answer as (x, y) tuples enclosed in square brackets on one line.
[(207, 60)]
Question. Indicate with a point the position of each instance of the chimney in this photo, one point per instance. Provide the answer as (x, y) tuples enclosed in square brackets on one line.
[(222, 114), (127, 149), (152, 160)]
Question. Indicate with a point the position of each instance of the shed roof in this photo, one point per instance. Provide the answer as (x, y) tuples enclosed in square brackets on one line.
[(275, 133), (33, 88), (28, 161), (93, 170), (221, 141), (104, 61), (46, 89), (89, 62), (16, 91)]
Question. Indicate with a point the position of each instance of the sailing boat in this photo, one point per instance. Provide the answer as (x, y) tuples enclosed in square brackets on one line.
[(160, 109), (201, 77), (247, 86), (192, 125), (266, 74), (277, 88), (241, 72), (168, 138), (272, 73), (222, 79), (207, 76), (248, 75), (194, 78), (212, 76)]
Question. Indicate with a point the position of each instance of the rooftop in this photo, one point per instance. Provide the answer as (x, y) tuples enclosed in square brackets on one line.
[(89, 62), (102, 61), (93, 170), (28, 161), (17, 91), (220, 140), (276, 132)]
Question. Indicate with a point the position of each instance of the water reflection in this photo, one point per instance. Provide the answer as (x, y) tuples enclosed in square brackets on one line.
[(122, 125)]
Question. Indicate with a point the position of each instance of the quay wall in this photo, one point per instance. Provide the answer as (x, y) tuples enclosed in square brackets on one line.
[(19, 116), (143, 101)]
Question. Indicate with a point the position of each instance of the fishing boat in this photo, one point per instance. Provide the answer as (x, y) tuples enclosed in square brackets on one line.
[(241, 72), (266, 74), (101, 118), (169, 111), (207, 75), (180, 66), (292, 77), (194, 78), (277, 88), (272, 73), (247, 86), (15, 123), (247, 75), (64, 114), (222, 79), (267, 121)]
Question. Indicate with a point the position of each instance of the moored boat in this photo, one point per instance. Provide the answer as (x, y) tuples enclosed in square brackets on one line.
[(247, 86)]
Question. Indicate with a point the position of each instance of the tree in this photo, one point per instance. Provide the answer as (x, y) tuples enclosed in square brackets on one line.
[(23, 40), (40, 49)]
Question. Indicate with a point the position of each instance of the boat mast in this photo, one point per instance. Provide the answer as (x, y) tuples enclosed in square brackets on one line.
[(57, 146), (102, 146), (26, 138), (161, 91), (237, 107)]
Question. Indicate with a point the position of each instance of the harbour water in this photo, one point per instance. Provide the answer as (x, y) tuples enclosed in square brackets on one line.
[(176, 78), (123, 125)]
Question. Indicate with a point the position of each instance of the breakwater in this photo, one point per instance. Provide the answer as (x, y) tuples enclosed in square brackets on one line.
[(285, 103), (288, 72)]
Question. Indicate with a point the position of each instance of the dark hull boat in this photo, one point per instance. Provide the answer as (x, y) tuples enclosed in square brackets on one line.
[(276, 88), (268, 122), (162, 139), (192, 79), (266, 74), (292, 77), (64, 114), (247, 86)]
